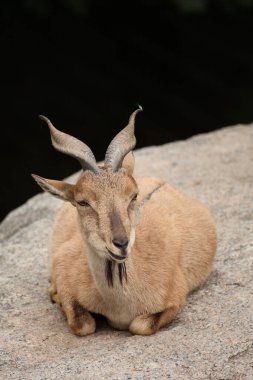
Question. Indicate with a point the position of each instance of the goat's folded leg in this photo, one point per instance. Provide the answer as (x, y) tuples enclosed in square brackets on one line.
[(54, 296), (148, 324), (79, 320)]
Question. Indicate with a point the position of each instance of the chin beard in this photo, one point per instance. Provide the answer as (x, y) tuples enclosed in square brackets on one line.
[(110, 269)]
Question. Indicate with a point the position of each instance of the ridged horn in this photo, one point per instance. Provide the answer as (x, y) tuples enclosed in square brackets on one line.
[(122, 144), (73, 147)]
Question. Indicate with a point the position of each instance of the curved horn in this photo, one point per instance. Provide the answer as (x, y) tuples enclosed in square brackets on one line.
[(122, 144), (73, 147)]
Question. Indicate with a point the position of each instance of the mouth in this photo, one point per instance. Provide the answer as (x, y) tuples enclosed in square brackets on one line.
[(117, 258)]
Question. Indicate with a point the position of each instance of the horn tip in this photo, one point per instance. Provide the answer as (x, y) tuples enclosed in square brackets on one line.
[(44, 118), (140, 107), (35, 177)]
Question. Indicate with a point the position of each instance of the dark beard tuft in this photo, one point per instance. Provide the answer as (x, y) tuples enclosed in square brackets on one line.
[(122, 272), (109, 269), (109, 266)]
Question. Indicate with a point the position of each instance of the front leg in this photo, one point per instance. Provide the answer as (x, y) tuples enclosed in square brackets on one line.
[(148, 324), (79, 320)]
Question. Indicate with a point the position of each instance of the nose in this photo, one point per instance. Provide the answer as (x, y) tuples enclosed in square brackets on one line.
[(121, 243)]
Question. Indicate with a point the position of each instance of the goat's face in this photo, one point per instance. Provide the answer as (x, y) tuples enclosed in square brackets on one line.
[(106, 207), (105, 197)]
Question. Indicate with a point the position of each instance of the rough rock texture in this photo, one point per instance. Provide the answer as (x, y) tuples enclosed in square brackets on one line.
[(210, 339)]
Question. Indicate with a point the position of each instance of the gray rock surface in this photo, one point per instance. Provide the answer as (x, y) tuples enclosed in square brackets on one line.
[(212, 336)]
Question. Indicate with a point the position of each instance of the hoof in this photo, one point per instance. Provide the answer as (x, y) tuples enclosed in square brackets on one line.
[(88, 327), (146, 324)]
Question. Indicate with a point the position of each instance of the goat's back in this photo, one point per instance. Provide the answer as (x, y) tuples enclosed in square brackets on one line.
[(179, 228)]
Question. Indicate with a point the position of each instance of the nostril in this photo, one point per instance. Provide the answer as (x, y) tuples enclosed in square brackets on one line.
[(120, 243)]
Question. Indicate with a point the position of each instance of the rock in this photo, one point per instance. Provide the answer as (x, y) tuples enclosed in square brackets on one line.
[(212, 336)]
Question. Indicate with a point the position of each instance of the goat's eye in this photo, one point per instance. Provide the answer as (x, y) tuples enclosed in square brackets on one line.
[(83, 203), (134, 198)]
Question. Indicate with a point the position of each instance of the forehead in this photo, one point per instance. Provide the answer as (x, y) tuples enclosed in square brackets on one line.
[(95, 186)]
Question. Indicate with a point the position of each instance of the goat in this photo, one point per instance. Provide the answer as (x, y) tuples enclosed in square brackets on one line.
[(128, 248)]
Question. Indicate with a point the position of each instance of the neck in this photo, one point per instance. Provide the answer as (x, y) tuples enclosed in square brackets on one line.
[(106, 273)]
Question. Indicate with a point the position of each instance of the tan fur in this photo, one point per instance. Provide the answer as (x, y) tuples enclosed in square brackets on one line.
[(172, 246), (130, 258)]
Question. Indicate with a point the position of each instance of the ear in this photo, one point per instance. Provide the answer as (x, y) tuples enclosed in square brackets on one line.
[(59, 189), (128, 163)]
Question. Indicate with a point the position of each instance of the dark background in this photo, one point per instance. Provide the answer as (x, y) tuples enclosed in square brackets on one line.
[(85, 65)]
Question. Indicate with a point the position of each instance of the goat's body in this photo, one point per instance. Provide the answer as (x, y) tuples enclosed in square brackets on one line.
[(135, 273), (175, 242)]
